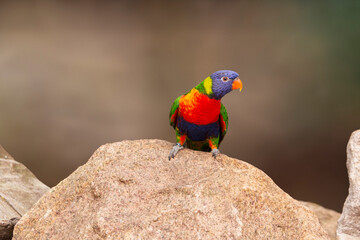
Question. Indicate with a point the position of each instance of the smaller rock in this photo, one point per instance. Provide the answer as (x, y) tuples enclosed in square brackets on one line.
[(349, 222), (328, 218), (19, 190)]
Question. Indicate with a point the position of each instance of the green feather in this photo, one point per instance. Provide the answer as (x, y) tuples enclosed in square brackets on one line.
[(198, 145), (224, 115), (173, 110)]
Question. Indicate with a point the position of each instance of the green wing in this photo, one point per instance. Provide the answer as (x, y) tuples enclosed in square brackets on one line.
[(224, 122), (174, 112)]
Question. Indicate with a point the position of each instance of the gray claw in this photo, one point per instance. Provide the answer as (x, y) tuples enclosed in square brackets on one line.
[(215, 152), (176, 148)]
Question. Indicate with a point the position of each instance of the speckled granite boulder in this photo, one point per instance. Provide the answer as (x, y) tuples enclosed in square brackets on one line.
[(130, 190)]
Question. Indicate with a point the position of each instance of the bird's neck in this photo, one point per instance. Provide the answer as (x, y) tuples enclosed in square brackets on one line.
[(205, 87)]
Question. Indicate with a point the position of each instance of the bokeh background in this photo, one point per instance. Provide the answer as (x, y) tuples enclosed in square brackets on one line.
[(76, 75)]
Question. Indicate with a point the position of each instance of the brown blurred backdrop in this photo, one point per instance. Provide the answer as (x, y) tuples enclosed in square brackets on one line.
[(74, 76)]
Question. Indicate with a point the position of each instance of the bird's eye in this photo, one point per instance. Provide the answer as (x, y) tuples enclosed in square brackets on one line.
[(224, 79)]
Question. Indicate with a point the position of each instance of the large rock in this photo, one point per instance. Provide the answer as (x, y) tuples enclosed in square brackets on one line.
[(328, 218), (349, 222), (130, 190), (19, 190)]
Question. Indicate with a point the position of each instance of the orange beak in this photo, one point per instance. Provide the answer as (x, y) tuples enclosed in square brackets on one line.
[(237, 84)]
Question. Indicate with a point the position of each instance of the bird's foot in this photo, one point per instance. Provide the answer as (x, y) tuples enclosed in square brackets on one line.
[(176, 148), (215, 152)]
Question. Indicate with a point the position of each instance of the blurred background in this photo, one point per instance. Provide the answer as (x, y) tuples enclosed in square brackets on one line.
[(74, 76)]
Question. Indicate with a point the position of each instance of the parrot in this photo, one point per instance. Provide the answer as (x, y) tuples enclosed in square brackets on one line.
[(199, 118)]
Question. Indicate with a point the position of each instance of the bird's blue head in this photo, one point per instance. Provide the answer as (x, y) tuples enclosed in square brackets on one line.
[(223, 82)]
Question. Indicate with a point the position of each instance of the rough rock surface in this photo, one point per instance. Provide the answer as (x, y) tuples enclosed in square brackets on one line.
[(328, 218), (19, 190), (130, 190), (349, 222)]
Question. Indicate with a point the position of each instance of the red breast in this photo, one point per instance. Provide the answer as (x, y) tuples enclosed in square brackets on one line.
[(198, 108)]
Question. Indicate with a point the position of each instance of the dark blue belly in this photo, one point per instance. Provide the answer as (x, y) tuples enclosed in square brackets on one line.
[(197, 132)]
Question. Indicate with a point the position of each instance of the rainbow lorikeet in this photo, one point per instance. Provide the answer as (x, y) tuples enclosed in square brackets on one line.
[(199, 118)]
